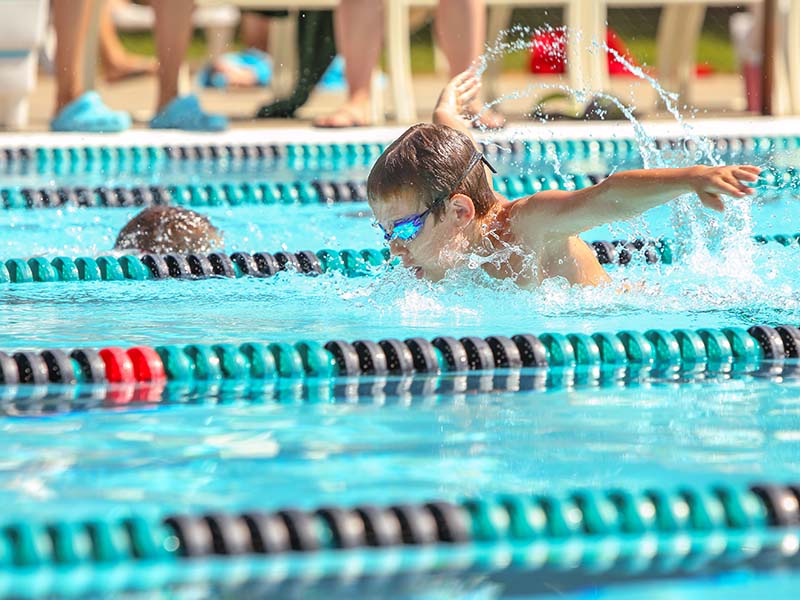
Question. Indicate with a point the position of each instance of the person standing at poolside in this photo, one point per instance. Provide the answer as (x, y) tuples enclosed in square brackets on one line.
[(431, 196), (77, 109), (460, 31)]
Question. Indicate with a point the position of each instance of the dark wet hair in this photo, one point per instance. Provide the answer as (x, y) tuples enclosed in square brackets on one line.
[(428, 159), (165, 229)]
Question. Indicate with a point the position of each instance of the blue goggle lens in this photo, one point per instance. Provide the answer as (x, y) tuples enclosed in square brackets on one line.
[(407, 230), (404, 229)]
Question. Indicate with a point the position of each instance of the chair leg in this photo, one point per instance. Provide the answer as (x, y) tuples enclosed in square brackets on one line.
[(376, 104), (283, 49), (595, 14), (218, 39), (90, 58), (792, 37), (678, 32), (398, 48), (498, 19), (577, 71)]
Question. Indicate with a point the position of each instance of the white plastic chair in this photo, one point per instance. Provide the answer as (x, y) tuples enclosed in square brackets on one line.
[(22, 28), (678, 33)]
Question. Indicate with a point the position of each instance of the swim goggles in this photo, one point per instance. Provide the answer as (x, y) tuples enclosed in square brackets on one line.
[(408, 228)]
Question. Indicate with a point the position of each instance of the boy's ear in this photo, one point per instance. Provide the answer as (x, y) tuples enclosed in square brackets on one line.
[(463, 208)]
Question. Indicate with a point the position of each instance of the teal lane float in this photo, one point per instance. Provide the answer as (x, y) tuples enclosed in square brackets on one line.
[(94, 158), (351, 263)]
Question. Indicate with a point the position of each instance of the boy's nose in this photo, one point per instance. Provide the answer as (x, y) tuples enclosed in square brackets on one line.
[(397, 247)]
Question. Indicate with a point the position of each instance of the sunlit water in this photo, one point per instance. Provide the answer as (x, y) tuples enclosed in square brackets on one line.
[(245, 454)]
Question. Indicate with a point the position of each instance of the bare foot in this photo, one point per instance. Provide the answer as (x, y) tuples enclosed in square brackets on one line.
[(347, 115), (130, 65), (486, 118)]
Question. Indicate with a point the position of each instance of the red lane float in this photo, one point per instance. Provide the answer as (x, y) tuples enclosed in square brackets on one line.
[(147, 365), (119, 366)]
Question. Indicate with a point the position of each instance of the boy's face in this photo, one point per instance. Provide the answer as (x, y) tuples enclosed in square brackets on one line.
[(434, 250)]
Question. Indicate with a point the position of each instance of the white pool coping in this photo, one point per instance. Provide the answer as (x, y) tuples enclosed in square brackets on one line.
[(734, 127)]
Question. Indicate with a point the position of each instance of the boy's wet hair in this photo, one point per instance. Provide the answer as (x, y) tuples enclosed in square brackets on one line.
[(427, 160), (166, 229)]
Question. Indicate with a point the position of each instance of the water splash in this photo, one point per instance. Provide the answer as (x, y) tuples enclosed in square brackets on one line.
[(702, 239)]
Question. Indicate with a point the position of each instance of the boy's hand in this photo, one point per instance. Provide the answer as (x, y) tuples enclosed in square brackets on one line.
[(709, 182), (456, 98)]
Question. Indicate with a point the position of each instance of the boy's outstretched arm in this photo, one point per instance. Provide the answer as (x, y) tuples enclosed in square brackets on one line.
[(627, 194)]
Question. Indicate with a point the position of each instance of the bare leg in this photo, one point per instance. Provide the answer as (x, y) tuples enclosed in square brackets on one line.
[(117, 62), (71, 21), (461, 32), (255, 30), (173, 32), (359, 35)]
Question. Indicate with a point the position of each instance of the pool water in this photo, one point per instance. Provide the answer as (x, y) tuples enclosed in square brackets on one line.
[(233, 449)]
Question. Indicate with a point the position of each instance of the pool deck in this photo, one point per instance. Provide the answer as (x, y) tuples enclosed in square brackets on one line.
[(138, 96), (718, 96)]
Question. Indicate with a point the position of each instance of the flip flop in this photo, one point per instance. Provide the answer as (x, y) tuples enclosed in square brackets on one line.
[(88, 113), (331, 121), (184, 112), (255, 61)]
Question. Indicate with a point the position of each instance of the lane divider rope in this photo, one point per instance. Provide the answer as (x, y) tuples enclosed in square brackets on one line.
[(101, 157), (686, 349), (521, 519), (296, 192), (352, 263)]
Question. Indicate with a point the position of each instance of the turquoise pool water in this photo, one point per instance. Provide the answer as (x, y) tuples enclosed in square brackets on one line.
[(227, 448)]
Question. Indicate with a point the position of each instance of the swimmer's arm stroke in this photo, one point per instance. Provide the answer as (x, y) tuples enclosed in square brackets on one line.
[(451, 108), (623, 195)]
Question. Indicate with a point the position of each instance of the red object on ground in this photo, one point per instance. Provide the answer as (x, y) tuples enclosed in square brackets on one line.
[(147, 365), (549, 53), (119, 367)]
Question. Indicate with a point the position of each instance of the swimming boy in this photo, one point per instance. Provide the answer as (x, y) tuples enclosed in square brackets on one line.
[(431, 195), (165, 229)]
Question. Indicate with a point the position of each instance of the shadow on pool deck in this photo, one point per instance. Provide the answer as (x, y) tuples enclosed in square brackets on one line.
[(718, 95)]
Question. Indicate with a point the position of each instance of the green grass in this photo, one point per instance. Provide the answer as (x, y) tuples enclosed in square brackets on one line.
[(141, 42), (714, 49)]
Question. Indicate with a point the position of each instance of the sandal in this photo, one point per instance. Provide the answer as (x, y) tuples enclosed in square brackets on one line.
[(87, 113), (342, 118), (184, 112)]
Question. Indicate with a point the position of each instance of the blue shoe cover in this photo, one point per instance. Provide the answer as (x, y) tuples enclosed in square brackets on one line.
[(333, 79), (88, 113), (259, 63), (184, 112)]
